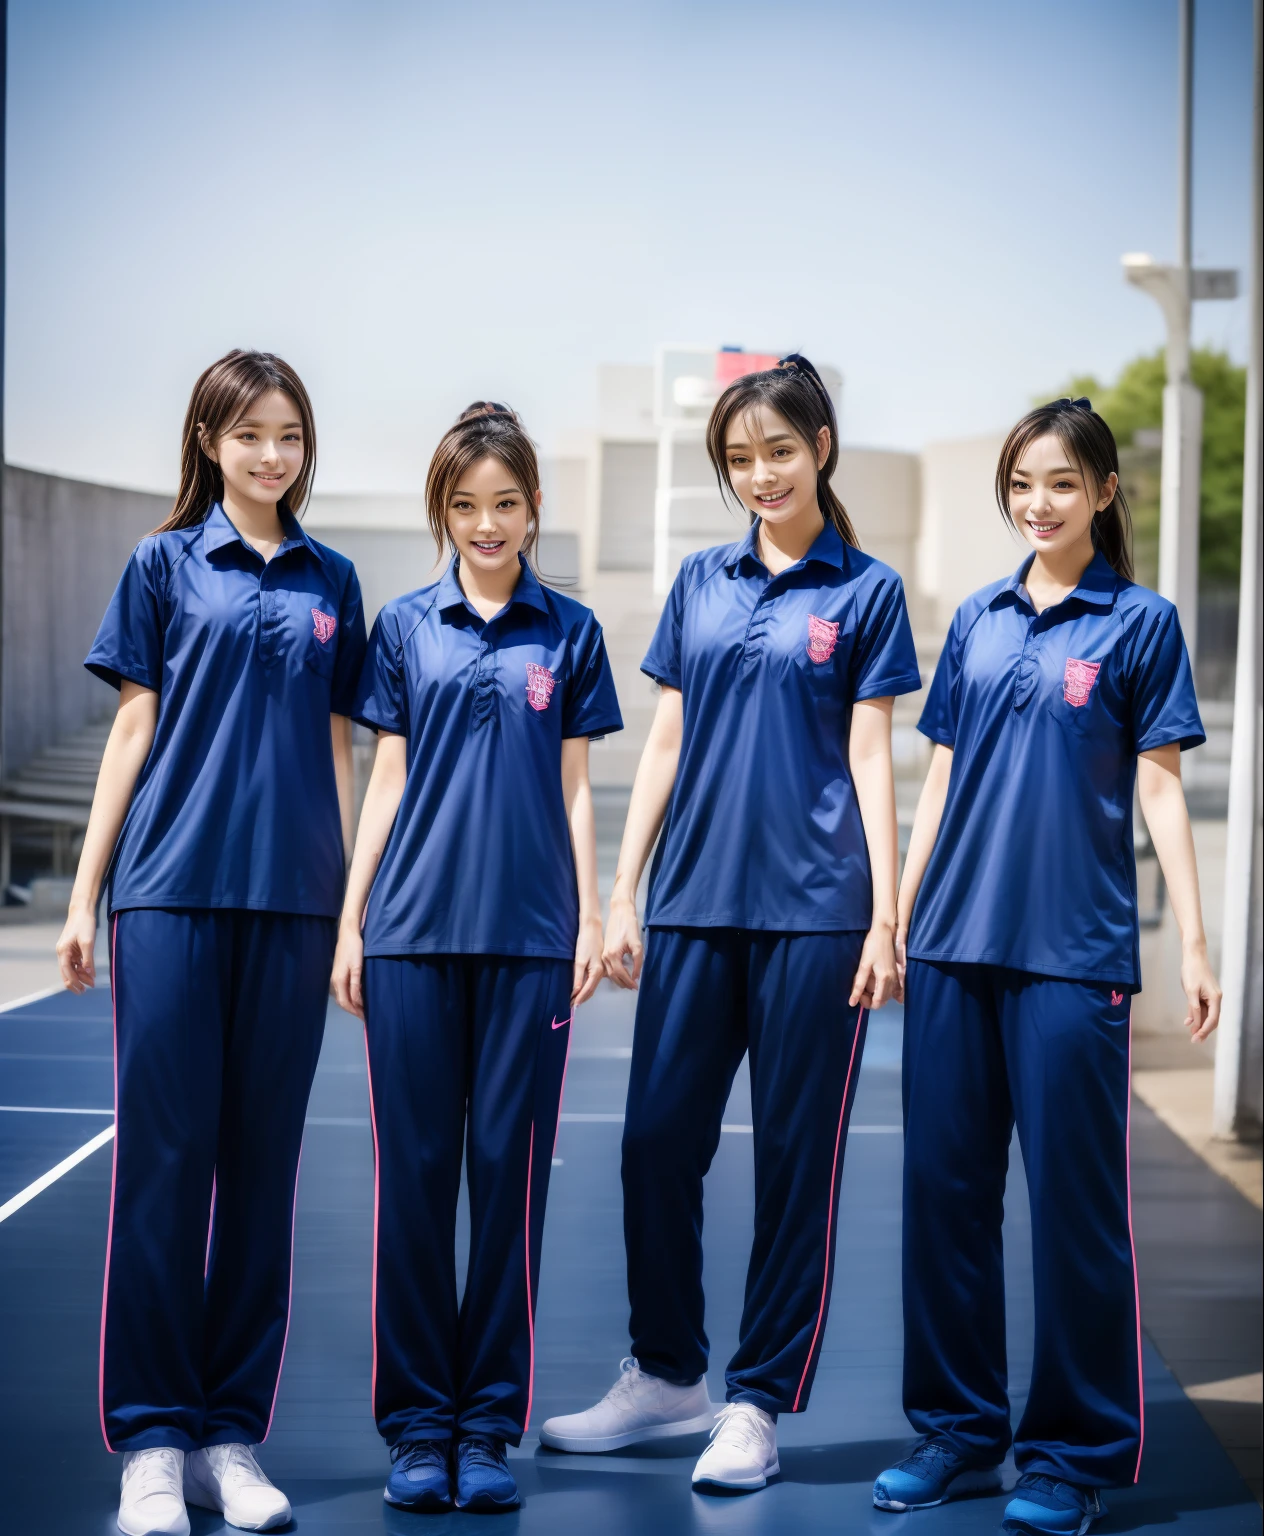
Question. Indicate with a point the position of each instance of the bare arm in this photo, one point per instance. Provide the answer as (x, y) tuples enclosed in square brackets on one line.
[(930, 810), (577, 793), (130, 740), (869, 754), (381, 803), (1167, 816), (344, 776), (655, 776)]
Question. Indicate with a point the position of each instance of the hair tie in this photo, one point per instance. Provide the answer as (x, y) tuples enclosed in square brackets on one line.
[(1082, 403)]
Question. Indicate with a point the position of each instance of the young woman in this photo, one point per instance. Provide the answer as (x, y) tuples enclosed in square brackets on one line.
[(221, 813), (771, 917), (1057, 691), (471, 930)]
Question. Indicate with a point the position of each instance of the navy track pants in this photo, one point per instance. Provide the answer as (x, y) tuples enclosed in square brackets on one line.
[(985, 1047), (707, 997), (456, 1041), (218, 1022)]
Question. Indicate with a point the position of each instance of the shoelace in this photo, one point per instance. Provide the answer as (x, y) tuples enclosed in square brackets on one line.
[(155, 1473), (419, 1453), (738, 1424), (1055, 1487), (629, 1378), (926, 1456), (240, 1465), (479, 1451)]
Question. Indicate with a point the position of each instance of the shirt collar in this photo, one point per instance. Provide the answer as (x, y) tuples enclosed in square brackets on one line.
[(218, 530), (528, 589), (827, 548), (1097, 586)]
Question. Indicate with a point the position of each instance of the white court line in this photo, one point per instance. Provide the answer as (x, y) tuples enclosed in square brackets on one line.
[(44, 1109), (31, 997), (53, 1174)]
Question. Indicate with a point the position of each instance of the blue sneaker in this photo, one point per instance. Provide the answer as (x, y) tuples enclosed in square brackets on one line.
[(484, 1482), (1046, 1506), (933, 1473), (421, 1475)]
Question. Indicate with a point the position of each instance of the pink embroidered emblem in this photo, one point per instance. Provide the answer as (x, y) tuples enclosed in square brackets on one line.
[(822, 638), (325, 625), (540, 686), (1115, 998), (1078, 680)]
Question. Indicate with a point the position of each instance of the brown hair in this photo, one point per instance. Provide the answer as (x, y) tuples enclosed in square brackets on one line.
[(1090, 445), (221, 397), (483, 430), (796, 391)]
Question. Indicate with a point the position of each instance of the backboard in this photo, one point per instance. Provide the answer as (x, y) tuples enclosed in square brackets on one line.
[(689, 380)]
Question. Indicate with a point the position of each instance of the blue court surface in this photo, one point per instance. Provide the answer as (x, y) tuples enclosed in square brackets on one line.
[(55, 1054)]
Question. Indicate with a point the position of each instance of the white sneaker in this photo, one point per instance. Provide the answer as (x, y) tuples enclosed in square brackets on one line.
[(743, 1450), (637, 1408), (229, 1479), (151, 1502)]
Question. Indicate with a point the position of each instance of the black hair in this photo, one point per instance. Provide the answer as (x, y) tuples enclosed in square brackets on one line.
[(797, 392), (1090, 444)]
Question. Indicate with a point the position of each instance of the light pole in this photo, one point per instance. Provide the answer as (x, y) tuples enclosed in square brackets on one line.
[(1238, 1044), (1174, 288)]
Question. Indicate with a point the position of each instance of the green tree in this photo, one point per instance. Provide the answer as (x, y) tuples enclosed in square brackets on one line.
[(1134, 404)]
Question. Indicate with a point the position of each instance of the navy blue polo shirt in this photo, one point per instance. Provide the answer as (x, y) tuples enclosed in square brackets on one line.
[(479, 860), (1033, 867), (237, 804), (763, 829)]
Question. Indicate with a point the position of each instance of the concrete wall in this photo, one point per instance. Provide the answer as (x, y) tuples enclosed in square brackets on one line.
[(964, 543), (65, 545)]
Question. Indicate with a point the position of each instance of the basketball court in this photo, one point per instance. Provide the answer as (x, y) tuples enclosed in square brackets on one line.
[(324, 1450)]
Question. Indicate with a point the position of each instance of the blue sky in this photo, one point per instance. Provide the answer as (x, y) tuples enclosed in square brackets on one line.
[(418, 204)]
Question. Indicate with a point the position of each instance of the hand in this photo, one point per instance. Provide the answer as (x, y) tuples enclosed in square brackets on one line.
[(76, 947), (876, 976), (623, 939), (347, 981), (588, 963), (1202, 992)]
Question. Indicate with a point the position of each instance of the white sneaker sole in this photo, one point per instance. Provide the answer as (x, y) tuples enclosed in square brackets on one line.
[(582, 1445), (977, 1480), (140, 1528), (741, 1484), (204, 1500)]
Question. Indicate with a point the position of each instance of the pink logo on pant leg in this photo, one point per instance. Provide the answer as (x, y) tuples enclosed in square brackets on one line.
[(324, 625), (822, 638), (1078, 680), (540, 686), (1115, 998)]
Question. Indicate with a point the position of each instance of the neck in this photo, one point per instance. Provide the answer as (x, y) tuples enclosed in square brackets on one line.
[(1064, 567), (257, 524), (489, 589), (782, 544)]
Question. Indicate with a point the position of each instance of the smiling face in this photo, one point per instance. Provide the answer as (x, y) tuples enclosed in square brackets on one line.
[(261, 456), (1052, 500), (488, 517), (771, 469)]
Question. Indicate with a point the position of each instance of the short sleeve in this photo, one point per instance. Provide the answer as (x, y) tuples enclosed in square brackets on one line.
[(591, 706), (349, 661), (662, 660), (1161, 685), (130, 640), (939, 713), (380, 699), (884, 658)]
